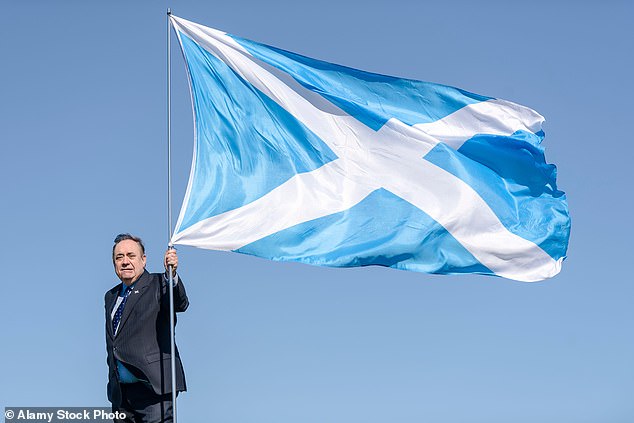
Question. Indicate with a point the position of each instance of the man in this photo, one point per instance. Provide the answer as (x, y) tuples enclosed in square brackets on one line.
[(138, 334)]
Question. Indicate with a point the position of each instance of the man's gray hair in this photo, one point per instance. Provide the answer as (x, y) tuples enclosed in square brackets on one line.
[(123, 237)]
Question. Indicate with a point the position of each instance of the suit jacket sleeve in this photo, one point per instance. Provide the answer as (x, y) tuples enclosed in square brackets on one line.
[(181, 302)]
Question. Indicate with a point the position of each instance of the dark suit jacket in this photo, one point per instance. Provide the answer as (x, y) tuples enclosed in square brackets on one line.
[(142, 342)]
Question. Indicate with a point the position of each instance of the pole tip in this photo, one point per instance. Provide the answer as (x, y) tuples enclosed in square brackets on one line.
[(169, 11)]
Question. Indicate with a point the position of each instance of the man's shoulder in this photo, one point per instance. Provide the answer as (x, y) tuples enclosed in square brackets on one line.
[(154, 280), (112, 291), (155, 277)]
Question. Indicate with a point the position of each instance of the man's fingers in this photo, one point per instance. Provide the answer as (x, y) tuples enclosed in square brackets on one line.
[(171, 259)]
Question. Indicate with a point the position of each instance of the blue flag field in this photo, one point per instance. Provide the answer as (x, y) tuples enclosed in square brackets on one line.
[(298, 159)]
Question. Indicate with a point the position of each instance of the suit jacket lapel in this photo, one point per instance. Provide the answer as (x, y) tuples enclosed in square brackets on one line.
[(110, 302), (137, 291)]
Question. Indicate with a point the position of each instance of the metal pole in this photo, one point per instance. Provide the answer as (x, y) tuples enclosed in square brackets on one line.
[(173, 343), (169, 212), (169, 129)]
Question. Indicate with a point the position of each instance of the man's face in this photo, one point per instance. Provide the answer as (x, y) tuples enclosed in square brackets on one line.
[(129, 261)]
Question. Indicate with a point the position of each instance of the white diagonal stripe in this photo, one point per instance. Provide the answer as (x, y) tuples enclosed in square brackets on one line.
[(498, 117), (306, 196)]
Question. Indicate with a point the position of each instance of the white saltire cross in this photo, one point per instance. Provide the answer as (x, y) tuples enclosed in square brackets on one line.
[(391, 158)]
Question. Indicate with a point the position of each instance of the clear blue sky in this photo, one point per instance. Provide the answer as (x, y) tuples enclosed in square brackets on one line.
[(82, 126)]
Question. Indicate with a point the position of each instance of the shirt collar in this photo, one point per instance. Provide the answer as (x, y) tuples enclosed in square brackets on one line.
[(124, 286), (141, 281)]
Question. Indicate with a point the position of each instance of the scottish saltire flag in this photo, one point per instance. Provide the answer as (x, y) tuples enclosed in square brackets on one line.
[(303, 160)]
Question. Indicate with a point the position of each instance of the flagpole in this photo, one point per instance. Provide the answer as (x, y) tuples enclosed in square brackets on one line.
[(169, 212)]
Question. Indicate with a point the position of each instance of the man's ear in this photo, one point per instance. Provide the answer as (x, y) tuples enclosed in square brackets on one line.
[(144, 260)]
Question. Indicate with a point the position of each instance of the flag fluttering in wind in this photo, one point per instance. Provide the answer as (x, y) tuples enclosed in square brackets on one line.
[(303, 160)]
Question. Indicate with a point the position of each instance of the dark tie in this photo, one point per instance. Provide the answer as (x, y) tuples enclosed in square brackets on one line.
[(117, 315)]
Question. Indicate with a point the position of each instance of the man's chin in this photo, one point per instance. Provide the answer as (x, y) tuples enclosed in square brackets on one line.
[(127, 278)]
